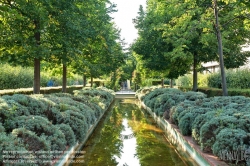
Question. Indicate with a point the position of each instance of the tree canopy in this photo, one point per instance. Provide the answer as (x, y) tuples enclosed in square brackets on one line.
[(72, 33), (177, 36)]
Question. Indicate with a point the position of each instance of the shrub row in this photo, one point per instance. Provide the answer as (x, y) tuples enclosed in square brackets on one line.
[(48, 122), (237, 78), (211, 92), (160, 100), (217, 123), (19, 77), (187, 80)]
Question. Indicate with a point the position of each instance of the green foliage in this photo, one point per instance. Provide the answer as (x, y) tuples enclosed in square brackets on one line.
[(33, 143), (156, 82), (174, 36), (162, 99), (152, 47), (43, 30), (239, 78), (210, 121), (41, 126), (14, 77), (49, 122), (69, 134), (11, 143), (187, 117), (229, 140), (214, 80), (211, 92), (66, 103), (2, 129), (99, 96), (187, 80), (136, 78), (140, 93)]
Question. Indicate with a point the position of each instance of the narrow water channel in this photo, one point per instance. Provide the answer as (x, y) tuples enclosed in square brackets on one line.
[(128, 136)]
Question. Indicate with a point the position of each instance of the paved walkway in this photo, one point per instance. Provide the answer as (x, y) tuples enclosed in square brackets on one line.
[(125, 94)]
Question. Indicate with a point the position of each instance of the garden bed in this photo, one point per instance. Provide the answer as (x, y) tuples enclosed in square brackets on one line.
[(184, 143), (40, 128), (219, 125)]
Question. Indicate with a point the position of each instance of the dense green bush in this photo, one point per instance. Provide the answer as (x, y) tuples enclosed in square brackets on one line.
[(187, 117), (66, 103), (69, 133), (187, 80), (140, 93), (10, 143), (151, 97), (41, 126), (231, 140), (77, 122), (161, 100), (33, 143), (33, 106), (101, 96), (2, 129), (85, 100), (207, 119), (214, 80), (13, 77), (235, 78), (49, 122)]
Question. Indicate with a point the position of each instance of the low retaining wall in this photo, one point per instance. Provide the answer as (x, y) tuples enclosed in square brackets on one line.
[(184, 143), (43, 90), (65, 160)]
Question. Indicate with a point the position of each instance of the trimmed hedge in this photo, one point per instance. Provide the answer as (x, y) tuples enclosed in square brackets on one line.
[(161, 100), (211, 92), (235, 78), (14, 77), (49, 122), (215, 123)]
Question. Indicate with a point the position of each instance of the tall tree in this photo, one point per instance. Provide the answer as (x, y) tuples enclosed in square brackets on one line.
[(187, 29), (23, 40), (68, 36), (151, 46), (220, 48), (103, 51)]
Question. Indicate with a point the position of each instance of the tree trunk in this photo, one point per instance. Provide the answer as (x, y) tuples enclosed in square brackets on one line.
[(37, 63), (91, 82), (195, 77), (162, 82), (64, 79), (36, 87), (171, 83), (220, 50), (84, 80)]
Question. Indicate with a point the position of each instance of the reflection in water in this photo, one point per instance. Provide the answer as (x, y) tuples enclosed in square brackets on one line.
[(147, 147), (128, 155)]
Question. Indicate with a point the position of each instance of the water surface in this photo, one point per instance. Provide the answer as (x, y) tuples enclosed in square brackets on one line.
[(128, 136)]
